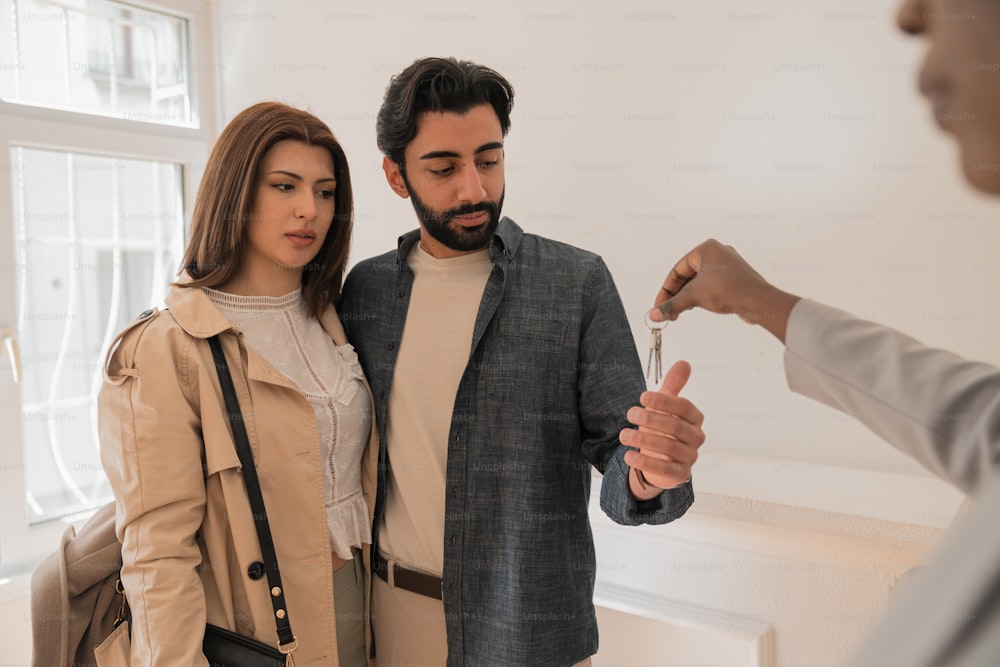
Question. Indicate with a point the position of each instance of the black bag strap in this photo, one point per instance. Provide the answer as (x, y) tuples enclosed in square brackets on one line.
[(285, 636)]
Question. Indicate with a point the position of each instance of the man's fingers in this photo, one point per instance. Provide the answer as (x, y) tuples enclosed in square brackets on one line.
[(667, 305), (660, 446), (676, 378), (665, 425), (663, 473), (682, 272), (674, 405), (670, 307)]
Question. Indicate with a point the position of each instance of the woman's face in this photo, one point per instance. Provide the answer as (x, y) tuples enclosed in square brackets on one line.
[(292, 212)]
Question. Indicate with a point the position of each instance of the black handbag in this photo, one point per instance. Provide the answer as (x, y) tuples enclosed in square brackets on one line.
[(222, 647), (225, 648)]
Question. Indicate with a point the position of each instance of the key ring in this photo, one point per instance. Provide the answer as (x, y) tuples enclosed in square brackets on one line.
[(650, 324)]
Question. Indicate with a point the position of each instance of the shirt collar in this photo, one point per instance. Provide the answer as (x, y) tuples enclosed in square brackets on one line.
[(194, 311), (503, 245)]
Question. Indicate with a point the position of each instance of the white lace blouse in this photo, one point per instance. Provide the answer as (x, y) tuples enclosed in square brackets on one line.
[(281, 330)]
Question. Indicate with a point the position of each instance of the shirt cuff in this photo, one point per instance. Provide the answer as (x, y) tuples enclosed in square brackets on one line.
[(622, 507)]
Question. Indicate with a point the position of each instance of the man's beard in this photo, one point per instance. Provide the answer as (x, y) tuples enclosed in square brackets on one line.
[(440, 226)]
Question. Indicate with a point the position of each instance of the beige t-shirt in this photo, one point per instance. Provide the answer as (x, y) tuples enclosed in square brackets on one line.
[(433, 354)]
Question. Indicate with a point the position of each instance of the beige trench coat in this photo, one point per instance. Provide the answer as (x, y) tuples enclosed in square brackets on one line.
[(183, 515)]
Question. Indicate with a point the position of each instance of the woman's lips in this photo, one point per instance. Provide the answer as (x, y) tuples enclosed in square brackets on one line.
[(301, 238)]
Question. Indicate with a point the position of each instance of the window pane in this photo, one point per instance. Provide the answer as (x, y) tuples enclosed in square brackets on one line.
[(97, 56), (97, 240)]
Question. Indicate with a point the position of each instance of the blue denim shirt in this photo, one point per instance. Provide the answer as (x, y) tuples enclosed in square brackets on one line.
[(551, 373)]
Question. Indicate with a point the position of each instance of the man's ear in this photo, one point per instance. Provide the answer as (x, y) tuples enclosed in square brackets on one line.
[(395, 178)]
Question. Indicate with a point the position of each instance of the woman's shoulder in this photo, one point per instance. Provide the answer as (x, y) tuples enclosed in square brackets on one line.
[(152, 324), (154, 333)]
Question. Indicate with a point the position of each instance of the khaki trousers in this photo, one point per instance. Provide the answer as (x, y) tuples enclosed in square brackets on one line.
[(349, 604)]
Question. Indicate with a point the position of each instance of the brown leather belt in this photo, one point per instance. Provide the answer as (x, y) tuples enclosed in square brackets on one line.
[(408, 580)]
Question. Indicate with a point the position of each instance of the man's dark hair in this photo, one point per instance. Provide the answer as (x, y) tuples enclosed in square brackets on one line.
[(437, 84)]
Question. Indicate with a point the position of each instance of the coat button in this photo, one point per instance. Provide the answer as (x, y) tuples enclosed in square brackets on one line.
[(146, 313), (256, 570)]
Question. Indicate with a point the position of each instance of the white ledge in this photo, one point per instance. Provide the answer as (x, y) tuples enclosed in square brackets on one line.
[(758, 636), (883, 496)]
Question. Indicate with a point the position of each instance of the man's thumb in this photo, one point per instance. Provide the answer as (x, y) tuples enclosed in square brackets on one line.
[(676, 378)]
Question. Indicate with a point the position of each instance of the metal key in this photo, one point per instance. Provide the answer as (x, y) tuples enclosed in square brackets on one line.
[(654, 364)]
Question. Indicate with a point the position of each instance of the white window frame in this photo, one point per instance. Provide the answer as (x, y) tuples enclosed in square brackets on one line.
[(23, 545)]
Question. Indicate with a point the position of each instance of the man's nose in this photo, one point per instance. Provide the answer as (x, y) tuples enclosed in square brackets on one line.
[(471, 188)]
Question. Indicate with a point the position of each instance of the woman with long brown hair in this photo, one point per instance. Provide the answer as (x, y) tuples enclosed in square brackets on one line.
[(270, 235)]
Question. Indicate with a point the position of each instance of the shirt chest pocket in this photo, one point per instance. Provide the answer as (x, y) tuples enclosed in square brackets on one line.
[(526, 363)]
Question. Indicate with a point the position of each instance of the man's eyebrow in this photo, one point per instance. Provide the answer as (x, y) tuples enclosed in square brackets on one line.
[(292, 174), (493, 145)]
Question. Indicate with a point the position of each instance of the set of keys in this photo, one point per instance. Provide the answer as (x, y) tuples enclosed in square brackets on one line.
[(655, 362)]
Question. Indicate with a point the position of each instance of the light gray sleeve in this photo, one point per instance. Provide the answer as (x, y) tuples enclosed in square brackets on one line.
[(949, 613), (942, 410)]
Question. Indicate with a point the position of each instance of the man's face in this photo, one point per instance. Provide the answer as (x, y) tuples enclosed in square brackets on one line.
[(454, 177), (961, 77)]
